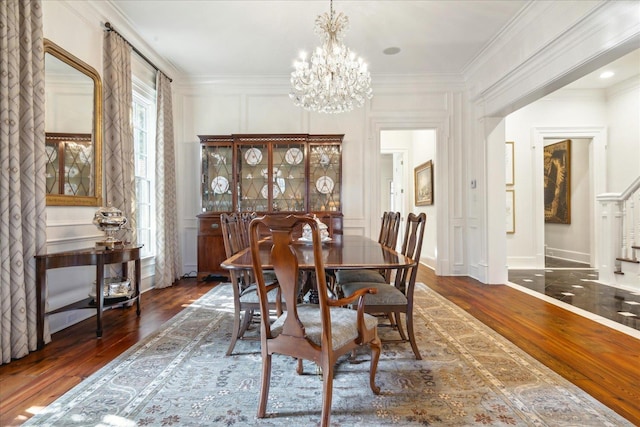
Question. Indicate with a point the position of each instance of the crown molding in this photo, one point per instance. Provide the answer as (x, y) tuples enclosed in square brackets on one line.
[(606, 31)]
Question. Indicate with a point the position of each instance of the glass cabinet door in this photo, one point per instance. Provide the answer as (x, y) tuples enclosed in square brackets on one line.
[(288, 178), (69, 164), (252, 162), (325, 177), (217, 178)]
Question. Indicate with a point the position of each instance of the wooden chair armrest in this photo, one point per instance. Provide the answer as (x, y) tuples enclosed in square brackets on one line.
[(359, 294)]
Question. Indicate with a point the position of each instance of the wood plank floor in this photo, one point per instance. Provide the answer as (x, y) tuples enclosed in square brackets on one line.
[(602, 361)]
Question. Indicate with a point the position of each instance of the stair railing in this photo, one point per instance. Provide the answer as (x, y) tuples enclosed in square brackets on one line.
[(619, 223)]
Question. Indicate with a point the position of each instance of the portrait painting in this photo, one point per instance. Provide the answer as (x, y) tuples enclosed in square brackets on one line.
[(423, 184), (557, 182)]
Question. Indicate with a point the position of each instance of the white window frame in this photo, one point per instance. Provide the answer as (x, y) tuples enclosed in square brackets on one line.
[(145, 95)]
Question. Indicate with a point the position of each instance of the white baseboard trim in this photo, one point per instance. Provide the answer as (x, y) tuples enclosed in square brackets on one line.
[(567, 255)]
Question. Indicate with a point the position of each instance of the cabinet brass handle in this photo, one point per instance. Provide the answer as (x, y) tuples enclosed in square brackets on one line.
[(214, 225)]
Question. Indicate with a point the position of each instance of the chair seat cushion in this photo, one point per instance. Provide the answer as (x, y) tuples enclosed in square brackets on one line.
[(348, 276), (250, 294), (343, 324), (387, 294)]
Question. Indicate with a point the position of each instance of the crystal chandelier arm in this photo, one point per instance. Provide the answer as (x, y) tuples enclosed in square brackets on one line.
[(334, 79)]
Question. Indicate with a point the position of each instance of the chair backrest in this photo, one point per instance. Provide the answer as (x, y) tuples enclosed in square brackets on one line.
[(285, 265), (412, 248), (384, 228), (389, 229), (245, 220), (232, 234), (394, 228)]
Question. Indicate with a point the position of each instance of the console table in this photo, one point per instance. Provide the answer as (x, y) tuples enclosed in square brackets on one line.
[(83, 257)]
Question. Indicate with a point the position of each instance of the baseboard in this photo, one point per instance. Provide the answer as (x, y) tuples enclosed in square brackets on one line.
[(567, 255)]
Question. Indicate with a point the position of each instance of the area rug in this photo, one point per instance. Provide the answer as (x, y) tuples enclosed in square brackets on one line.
[(469, 375)]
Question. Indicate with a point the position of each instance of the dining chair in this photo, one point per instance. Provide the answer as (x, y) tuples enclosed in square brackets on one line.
[(388, 237), (397, 297), (235, 234), (319, 332)]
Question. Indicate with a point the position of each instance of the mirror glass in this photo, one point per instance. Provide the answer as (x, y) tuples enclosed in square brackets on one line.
[(73, 126)]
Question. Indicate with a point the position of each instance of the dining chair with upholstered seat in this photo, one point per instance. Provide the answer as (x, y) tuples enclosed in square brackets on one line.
[(235, 234), (388, 237), (397, 297), (319, 332)]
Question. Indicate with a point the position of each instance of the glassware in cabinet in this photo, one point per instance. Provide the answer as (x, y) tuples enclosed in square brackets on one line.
[(288, 178), (325, 177), (252, 166), (217, 178)]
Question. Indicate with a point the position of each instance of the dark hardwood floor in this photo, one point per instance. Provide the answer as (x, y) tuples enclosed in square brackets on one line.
[(602, 361)]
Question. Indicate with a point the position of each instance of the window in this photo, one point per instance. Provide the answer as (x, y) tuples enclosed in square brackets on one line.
[(144, 118)]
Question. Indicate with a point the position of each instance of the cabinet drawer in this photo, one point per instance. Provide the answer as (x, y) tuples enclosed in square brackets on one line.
[(209, 226)]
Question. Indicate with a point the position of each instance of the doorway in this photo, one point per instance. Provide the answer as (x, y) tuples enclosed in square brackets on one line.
[(393, 182), (569, 242), (401, 151)]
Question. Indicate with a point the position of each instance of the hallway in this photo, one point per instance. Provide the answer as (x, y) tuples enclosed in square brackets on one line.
[(575, 286)]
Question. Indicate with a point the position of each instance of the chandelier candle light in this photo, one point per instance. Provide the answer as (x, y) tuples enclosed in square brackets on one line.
[(335, 79)]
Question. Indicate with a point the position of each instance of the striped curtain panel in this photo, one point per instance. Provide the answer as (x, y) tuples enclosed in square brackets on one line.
[(22, 180), (120, 179), (168, 255)]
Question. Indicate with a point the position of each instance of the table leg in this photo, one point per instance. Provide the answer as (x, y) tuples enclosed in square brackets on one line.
[(99, 294)]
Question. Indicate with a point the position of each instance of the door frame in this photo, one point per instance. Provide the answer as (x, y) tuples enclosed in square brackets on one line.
[(597, 180)]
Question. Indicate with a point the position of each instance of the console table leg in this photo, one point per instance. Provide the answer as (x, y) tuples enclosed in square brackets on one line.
[(99, 294), (138, 284), (41, 300)]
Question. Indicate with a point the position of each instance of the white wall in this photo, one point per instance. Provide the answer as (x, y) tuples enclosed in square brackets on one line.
[(616, 110), (77, 28), (623, 117), (71, 227)]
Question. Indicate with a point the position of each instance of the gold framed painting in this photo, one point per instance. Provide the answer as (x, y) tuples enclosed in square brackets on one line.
[(557, 182), (423, 184)]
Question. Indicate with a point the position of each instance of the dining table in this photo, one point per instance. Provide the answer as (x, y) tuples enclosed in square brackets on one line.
[(341, 252)]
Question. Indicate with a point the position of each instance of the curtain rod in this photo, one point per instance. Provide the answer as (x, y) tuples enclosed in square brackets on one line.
[(109, 27)]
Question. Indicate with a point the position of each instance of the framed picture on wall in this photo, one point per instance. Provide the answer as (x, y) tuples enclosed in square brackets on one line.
[(508, 163), (511, 211), (557, 182), (423, 184)]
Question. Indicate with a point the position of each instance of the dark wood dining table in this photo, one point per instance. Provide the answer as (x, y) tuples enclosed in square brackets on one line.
[(340, 253)]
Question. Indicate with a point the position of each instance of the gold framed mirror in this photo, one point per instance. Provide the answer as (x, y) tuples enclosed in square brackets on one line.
[(73, 126)]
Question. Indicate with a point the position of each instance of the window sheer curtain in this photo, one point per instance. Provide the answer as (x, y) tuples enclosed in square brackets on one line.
[(168, 257), (120, 190), (22, 180)]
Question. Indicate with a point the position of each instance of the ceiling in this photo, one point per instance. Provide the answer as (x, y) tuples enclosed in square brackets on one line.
[(239, 38), (263, 37)]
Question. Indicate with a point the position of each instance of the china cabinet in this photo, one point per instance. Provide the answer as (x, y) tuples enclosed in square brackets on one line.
[(266, 174)]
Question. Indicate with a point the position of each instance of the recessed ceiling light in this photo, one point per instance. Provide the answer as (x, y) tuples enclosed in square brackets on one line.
[(391, 50), (607, 74)]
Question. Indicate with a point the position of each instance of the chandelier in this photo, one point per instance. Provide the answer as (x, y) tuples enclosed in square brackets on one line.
[(335, 79)]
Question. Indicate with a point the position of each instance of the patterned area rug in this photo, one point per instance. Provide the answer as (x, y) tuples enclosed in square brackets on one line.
[(469, 375)]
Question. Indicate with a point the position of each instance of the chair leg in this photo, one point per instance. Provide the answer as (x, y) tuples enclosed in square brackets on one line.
[(327, 392), (412, 338), (234, 331), (264, 388), (376, 347), (299, 369), (398, 319), (246, 321)]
